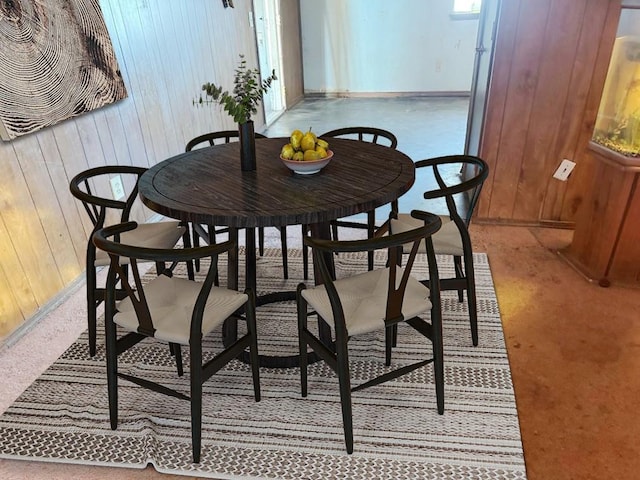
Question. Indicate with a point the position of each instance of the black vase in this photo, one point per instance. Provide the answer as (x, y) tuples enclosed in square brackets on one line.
[(247, 146)]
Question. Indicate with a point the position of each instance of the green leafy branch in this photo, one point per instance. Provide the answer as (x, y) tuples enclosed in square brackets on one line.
[(247, 92)]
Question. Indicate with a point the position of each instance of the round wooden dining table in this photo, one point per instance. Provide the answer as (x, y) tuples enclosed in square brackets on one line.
[(207, 186)]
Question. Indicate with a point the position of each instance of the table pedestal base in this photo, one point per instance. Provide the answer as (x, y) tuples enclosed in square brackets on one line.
[(230, 334)]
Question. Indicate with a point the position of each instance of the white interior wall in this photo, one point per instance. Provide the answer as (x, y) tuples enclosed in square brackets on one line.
[(381, 46)]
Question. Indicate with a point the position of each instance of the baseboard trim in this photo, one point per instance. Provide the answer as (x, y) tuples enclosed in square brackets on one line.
[(62, 296), (385, 94), (46, 309), (525, 223)]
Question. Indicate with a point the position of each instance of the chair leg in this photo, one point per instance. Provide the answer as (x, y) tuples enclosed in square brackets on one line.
[(283, 246), (394, 336), (196, 244), (212, 241), (471, 298), (195, 350), (176, 351), (390, 341), (261, 240), (305, 254), (345, 391), (457, 263), (371, 228), (302, 342), (253, 348), (334, 231), (438, 360), (186, 243), (112, 369), (92, 305), (390, 336)]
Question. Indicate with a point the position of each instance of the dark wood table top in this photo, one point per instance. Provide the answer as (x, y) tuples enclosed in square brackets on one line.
[(207, 186)]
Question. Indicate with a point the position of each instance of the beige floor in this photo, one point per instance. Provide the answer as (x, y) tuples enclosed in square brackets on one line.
[(574, 351)]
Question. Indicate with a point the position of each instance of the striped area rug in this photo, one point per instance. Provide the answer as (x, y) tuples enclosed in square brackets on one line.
[(63, 416)]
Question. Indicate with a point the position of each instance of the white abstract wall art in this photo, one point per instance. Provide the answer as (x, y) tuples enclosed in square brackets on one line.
[(56, 62)]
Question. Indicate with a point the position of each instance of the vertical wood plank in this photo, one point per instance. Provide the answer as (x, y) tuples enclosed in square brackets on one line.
[(13, 310), (71, 152), (557, 204), (178, 97), (206, 66), (497, 97), (127, 109), (552, 92), (73, 235), (524, 77), (121, 11), (23, 224), (145, 53), (21, 301), (48, 232), (10, 312)]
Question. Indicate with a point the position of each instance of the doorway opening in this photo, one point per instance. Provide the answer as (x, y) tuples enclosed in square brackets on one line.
[(267, 25)]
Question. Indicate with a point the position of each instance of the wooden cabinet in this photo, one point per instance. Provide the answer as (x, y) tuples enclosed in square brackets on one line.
[(606, 241)]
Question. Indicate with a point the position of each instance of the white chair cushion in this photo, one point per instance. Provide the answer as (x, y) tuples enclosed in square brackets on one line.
[(446, 241), (148, 235), (171, 302), (364, 300)]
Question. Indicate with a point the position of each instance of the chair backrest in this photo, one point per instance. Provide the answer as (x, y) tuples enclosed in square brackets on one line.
[(131, 280), (83, 187), (324, 250), (465, 184), (365, 134), (214, 138)]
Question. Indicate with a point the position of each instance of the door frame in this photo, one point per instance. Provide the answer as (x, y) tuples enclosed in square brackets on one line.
[(266, 18), (482, 69)]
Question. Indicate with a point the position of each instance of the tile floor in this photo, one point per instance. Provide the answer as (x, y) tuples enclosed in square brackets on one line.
[(425, 127)]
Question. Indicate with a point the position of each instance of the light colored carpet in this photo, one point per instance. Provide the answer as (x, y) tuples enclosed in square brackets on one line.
[(63, 416)]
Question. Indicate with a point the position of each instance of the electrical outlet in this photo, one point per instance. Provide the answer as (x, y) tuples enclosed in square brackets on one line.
[(116, 187), (564, 170)]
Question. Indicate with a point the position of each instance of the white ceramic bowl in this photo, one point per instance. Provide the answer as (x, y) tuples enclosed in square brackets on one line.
[(308, 167)]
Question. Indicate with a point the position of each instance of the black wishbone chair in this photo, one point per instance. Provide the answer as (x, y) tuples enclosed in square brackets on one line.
[(374, 300), (103, 210), (460, 192), (176, 310), (208, 233), (361, 134)]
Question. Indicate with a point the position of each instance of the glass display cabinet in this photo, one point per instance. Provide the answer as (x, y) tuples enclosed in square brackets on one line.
[(617, 126), (618, 122)]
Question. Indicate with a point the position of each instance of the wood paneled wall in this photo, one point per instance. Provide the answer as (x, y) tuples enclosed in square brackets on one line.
[(551, 59), (166, 50)]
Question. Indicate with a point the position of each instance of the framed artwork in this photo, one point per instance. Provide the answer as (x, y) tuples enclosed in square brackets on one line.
[(56, 62)]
